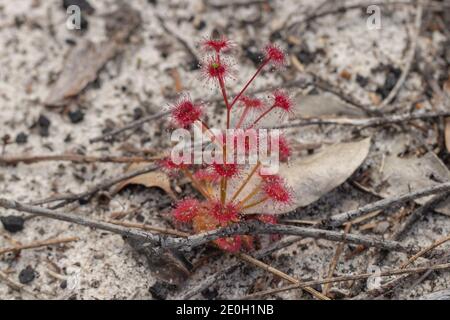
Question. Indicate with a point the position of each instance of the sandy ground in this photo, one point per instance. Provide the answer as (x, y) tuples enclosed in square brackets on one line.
[(33, 44)]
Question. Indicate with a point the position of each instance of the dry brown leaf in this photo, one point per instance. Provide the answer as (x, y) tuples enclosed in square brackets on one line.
[(85, 60), (314, 176), (152, 179)]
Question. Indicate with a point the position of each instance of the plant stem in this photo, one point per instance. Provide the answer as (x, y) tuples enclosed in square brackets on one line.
[(196, 184), (244, 114), (250, 195), (254, 204), (265, 62), (236, 194), (262, 116)]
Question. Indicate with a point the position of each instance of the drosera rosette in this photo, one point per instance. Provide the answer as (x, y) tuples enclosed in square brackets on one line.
[(231, 191)]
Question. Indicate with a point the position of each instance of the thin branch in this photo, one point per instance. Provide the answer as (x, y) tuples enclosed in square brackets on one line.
[(16, 285), (209, 281), (368, 122), (28, 159), (335, 260), (187, 244), (256, 227), (434, 5), (78, 219), (130, 126), (68, 198), (424, 251), (341, 218), (279, 273), (38, 244), (183, 42), (362, 276), (329, 87), (408, 61)]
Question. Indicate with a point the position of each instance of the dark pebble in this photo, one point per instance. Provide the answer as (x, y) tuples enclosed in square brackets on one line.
[(305, 56), (137, 113), (43, 121), (392, 75), (210, 293), (253, 54), (194, 64), (201, 25), (71, 42), (27, 275), (160, 290), (76, 116), (21, 138), (84, 5), (63, 284), (84, 23), (362, 81), (12, 224), (43, 126)]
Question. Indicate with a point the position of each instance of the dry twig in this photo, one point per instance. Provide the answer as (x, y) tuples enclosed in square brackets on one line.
[(38, 244)]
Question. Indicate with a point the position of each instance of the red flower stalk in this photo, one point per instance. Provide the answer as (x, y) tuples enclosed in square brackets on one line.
[(249, 103), (185, 112), (186, 210), (275, 56), (281, 100)]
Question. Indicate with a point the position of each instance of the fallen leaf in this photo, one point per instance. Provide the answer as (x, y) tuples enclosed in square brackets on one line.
[(316, 106), (83, 63), (152, 179), (398, 176), (313, 176)]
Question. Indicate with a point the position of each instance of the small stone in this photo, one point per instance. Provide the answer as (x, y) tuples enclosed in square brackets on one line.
[(210, 293), (137, 113), (253, 54), (27, 275), (305, 56), (21, 138), (76, 116), (392, 76), (200, 25), (362, 81), (43, 121), (12, 224), (161, 290), (43, 125)]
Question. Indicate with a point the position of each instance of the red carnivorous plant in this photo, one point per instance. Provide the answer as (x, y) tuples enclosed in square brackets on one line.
[(231, 190)]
